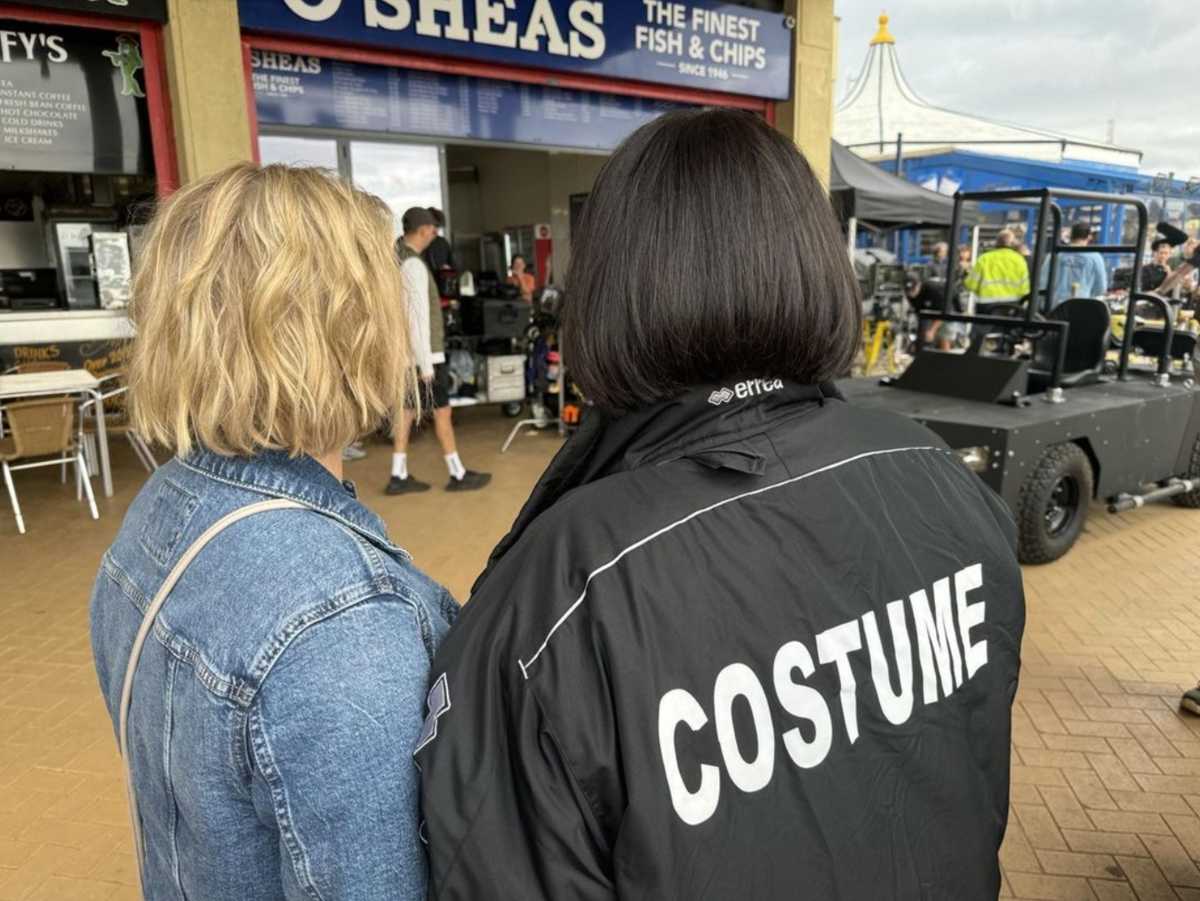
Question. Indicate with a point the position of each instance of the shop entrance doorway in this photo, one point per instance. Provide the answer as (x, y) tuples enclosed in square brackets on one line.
[(499, 201)]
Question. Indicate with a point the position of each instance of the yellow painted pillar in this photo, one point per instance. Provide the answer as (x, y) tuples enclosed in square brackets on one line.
[(208, 89), (808, 117)]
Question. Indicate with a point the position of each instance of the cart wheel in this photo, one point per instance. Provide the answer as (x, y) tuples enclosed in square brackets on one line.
[(1191, 499), (512, 410), (1053, 505)]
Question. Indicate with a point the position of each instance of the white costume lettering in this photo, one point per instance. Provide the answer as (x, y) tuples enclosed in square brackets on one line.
[(947, 656), (677, 707)]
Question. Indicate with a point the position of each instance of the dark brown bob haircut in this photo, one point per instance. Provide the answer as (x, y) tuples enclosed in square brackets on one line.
[(707, 249)]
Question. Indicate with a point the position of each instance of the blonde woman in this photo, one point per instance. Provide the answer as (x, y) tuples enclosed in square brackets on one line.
[(281, 687)]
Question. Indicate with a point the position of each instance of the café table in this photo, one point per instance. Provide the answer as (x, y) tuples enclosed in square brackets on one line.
[(67, 381)]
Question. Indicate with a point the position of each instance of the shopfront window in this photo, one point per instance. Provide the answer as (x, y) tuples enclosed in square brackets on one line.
[(403, 175), (292, 151)]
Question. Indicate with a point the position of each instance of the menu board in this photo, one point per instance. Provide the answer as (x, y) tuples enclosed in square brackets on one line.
[(324, 93), (71, 100)]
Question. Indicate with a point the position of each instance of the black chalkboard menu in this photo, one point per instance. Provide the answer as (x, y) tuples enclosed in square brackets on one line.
[(72, 100)]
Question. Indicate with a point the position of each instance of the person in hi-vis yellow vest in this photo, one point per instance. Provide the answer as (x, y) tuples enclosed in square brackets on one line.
[(1000, 275)]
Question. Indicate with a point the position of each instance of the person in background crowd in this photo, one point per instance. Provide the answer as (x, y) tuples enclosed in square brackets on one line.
[(964, 260), (429, 354), (925, 296), (1077, 274), (701, 665), (1185, 274), (1000, 275), (1156, 271), (278, 697), (1022, 245), (439, 254), (938, 266), (521, 278)]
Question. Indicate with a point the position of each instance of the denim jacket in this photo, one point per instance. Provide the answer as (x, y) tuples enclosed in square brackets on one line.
[(282, 690)]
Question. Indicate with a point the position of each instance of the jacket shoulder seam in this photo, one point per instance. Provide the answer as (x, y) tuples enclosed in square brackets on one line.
[(227, 687), (277, 646)]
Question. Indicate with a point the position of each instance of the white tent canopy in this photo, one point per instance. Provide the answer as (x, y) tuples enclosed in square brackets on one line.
[(881, 105)]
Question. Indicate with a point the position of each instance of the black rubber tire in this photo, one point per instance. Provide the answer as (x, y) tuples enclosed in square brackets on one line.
[(512, 410), (1063, 465), (1190, 499)]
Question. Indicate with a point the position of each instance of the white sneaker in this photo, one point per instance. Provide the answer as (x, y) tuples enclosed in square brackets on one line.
[(353, 452)]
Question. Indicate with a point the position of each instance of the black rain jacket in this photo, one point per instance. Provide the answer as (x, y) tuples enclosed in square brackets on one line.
[(750, 643)]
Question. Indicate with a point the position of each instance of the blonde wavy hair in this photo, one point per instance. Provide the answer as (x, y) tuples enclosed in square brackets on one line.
[(269, 315)]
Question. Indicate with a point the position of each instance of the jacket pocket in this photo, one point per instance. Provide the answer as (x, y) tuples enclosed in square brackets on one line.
[(170, 513)]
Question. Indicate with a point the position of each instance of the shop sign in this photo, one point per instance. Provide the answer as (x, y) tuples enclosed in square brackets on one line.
[(153, 10), (701, 44), (71, 100), (100, 358), (309, 91)]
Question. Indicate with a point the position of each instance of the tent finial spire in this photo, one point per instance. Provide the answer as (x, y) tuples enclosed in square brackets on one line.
[(883, 36)]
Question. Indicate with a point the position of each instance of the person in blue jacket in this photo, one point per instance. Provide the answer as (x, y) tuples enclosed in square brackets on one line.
[(281, 689), (1078, 274)]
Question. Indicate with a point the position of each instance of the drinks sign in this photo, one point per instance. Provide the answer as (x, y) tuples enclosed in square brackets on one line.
[(702, 44)]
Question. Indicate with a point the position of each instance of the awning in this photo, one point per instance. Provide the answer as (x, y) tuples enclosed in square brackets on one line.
[(881, 200)]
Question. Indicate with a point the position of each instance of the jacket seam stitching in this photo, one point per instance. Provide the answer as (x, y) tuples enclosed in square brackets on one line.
[(243, 692), (462, 843), (228, 688), (280, 492), (793, 480), (169, 782), (297, 626), (287, 827), (778, 456), (570, 767)]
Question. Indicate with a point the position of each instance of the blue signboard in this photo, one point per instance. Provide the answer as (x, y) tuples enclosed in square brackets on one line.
[(311, 92), (702, 44)]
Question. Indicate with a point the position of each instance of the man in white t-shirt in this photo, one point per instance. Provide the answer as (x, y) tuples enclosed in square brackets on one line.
[(429, 352)]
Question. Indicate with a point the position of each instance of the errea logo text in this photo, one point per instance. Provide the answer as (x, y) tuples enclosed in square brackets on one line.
[(743, 390)]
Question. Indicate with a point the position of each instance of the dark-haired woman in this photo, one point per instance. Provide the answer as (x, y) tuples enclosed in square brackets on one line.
[(745, 640)]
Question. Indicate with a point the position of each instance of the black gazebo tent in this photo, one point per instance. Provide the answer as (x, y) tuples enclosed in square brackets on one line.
[(862, 191)]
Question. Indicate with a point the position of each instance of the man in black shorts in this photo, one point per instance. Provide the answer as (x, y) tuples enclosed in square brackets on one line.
[(924, 295), (429, 352)]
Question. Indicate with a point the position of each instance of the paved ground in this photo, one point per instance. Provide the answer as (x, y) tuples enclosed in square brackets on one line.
[(1106, 773)]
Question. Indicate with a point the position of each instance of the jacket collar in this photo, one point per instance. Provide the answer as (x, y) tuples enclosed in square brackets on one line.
[(301, 479), (694, 424)]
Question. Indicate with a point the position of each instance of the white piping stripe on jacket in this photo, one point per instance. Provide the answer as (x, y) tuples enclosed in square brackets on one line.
[(729, 500)]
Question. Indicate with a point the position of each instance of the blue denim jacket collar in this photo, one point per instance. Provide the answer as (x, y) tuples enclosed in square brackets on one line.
[(301, 479)]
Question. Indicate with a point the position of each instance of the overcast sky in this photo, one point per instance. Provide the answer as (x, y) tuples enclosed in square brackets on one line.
[(1055, 64)]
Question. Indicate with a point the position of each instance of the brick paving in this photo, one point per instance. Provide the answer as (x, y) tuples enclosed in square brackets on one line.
[(1106, 771)]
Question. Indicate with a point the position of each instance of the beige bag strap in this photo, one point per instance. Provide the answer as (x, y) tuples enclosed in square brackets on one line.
[(140, 640)]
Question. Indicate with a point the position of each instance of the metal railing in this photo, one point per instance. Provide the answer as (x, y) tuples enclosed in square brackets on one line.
[(1050, 215)]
